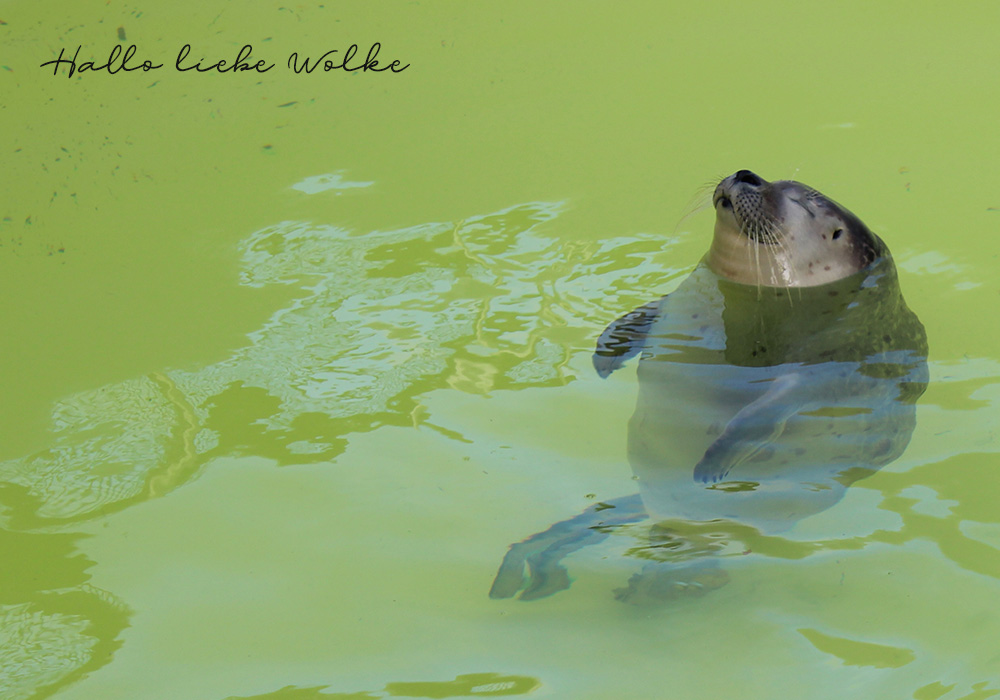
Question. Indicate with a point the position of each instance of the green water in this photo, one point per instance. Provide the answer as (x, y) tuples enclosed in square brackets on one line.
[(290, 360)]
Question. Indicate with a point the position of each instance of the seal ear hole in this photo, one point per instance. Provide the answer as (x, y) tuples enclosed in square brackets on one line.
[(836, 234)]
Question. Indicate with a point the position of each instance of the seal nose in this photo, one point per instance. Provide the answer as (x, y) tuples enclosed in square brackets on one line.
[(748, 177)]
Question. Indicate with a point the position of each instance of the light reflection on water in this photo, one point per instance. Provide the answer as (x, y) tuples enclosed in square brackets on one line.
[(481, 305), (486, 304)]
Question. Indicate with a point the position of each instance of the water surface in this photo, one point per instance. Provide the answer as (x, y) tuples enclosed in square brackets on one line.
[(291, 360)]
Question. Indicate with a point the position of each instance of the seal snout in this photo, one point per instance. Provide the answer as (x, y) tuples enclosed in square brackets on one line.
[(747, 177), (740, 184), (743, 206)]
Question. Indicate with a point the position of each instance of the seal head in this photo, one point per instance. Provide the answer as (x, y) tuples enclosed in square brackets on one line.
[(785, 234)]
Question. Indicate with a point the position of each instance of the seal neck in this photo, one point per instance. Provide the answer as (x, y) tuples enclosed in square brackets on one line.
[(740, 259)]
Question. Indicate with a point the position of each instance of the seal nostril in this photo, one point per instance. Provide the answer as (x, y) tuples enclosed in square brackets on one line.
[(748, 177)]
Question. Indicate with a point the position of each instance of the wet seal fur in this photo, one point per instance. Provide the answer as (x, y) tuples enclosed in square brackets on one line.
[(782, 370)]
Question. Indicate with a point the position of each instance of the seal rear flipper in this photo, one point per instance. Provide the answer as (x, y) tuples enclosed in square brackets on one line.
[(544, 552), (624, 338), (753, 428)]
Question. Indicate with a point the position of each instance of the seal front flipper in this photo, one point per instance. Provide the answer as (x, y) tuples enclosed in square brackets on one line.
[(624, 338), (543, 552), (753, 428)]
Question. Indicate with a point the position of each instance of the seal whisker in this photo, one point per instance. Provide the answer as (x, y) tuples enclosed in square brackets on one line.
[(750, 248), (783, 248), (756, 254), (701, 200)]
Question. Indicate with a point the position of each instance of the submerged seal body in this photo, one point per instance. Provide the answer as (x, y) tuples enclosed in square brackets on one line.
[(783, 369)]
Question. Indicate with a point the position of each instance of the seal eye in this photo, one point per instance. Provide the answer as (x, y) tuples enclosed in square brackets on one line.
[(724, 202), (836, 234)]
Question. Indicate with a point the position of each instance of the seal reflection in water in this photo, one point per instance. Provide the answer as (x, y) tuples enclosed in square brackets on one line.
[(782, 370)]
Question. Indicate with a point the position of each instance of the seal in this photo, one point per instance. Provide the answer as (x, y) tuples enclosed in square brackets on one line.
[(784, 368)]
